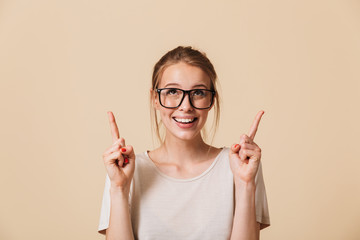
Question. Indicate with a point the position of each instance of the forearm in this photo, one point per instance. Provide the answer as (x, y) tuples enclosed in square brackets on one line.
[(120, 221), (245, 226)]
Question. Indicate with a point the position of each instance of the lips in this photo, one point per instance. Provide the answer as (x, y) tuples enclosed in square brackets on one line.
[(185, 120)]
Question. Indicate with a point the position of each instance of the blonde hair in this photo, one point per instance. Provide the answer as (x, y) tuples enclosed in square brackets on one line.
[(192, 57)]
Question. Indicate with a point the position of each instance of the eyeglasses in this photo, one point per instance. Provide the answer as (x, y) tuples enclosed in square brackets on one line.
[(173, 97)]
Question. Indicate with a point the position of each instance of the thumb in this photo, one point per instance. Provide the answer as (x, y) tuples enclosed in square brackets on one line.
[(235, 148)]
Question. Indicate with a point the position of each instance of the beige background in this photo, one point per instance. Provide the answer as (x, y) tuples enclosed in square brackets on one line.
[(64, 64)]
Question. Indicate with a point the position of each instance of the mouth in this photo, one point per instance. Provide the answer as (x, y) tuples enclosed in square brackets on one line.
[(185, 120)]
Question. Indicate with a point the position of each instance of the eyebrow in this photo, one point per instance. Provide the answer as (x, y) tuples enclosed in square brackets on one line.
[(177, 85)]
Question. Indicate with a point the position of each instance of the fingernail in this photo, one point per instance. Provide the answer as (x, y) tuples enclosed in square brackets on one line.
[(123, 150), (126, 160), (236, 145)]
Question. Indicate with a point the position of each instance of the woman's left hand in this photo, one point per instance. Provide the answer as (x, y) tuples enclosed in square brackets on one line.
[(245, 156)]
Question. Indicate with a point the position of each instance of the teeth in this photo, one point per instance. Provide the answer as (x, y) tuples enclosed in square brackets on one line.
[(184, 120)]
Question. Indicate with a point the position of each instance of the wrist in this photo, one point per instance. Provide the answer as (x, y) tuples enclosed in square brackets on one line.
[(240, 184), (116, 190)]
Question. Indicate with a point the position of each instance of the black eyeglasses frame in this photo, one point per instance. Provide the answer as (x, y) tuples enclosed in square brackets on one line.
[(158, 90)]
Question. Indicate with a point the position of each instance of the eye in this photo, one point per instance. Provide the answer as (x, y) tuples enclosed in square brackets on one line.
[(199, 92), (172, 91)]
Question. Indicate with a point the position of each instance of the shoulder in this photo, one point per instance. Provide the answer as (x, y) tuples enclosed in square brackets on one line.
[(141, 155), (219, 153), (222, 161), (224, 154), (143, 165), (226, 150), (141, 159)]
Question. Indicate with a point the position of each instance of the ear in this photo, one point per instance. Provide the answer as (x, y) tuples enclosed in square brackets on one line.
[(154, 100), (214, 101)]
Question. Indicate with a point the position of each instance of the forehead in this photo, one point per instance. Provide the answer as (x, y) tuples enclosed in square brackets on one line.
[(184, 76)]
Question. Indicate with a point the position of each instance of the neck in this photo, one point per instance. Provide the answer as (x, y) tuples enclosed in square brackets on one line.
[(184, 152)]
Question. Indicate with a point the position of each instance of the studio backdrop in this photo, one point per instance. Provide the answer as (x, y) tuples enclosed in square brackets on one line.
[(64, 64)]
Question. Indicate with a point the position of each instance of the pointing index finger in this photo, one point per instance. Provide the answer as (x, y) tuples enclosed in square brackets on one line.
[(255, 125), (113, 127)]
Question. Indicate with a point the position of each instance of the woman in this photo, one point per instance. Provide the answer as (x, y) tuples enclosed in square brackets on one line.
[(185, 189)]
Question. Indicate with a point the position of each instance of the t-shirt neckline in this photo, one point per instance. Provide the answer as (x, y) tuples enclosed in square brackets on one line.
[(183, 179)]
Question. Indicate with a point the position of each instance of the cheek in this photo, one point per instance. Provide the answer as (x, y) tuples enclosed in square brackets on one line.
[(164, 113), (203, 116)]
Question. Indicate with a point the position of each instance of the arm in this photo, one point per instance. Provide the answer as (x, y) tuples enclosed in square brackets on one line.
[(120, 222), (245, 226), (119, 162), (244, 162)]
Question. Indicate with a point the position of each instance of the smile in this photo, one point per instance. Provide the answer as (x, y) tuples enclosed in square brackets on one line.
[(185, 120)]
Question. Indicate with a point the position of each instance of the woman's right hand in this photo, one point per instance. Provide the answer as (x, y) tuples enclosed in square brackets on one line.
[(116, 157)]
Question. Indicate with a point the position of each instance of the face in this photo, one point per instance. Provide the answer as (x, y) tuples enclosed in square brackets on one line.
[(176, 121)]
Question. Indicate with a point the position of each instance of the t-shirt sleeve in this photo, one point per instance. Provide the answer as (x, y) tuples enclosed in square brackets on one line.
[(105, 208), (261, 204)]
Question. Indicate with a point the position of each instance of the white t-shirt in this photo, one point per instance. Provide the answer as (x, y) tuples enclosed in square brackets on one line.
[(202, 207)]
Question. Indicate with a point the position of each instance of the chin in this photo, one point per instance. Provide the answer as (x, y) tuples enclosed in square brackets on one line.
[(185, 135)]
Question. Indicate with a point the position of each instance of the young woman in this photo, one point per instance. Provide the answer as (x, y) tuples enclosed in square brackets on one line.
[(184, 189)]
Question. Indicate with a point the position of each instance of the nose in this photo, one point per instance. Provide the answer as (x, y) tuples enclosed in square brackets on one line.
[(186, 105)]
